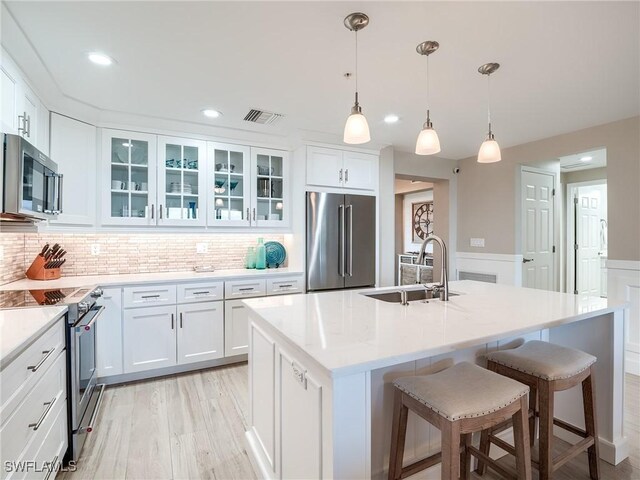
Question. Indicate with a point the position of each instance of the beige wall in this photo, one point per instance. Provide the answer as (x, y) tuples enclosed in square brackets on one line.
[(584, 175), (488, 204)]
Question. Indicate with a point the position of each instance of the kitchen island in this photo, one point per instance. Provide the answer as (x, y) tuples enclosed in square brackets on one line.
[(321, 368)]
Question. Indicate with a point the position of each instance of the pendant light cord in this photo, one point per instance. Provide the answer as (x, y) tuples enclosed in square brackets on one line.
[(428, 105), (489, 102), (356, 67)]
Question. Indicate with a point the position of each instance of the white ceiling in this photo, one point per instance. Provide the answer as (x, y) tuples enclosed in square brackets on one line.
[(565, 65), (571, 163)]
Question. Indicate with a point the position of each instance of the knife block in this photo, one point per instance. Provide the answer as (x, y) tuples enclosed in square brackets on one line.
[(37, 271)]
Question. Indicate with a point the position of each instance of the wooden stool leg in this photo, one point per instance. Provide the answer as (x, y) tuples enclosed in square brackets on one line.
[(465, 457), (546, 396), (398, 434), (533, 397), (484, 447), (521, 441), (591, 426), (451, 451)]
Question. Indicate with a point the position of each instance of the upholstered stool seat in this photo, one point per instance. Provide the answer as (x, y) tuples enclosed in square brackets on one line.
[(460, 400), (548, 368)]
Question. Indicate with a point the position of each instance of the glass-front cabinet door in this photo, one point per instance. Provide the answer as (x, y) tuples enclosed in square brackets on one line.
[(181, 182), (229, 185), (270, 196), (129, 178)]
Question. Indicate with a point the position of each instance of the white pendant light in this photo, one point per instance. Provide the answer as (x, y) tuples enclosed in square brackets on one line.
[(428, 142), (489, 150), (356, 130)]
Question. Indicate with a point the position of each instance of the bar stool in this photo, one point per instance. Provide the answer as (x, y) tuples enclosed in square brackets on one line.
[(458, 401), (547, 368)]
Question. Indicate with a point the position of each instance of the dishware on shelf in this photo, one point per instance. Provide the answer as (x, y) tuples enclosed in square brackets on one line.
[(274, 216), (262, 217), (275, 254), (117, 185), (144, 186), (222, 168), (265, 170), (235, 215), (263, 187), (171, 163), (192, 164), (219, 187), (192, 210), (233, 185)]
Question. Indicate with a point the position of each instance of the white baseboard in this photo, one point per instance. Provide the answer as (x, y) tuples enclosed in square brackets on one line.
[(506, 267), (256, 457)]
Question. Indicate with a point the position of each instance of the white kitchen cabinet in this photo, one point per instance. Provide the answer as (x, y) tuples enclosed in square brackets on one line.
[(200, 332), (181, 182), (128, 179), (149, 338), (9, 88), (73, 148), (301, 423), (236, 328), (109, 334), (229, 185), (149, 295), (330, 167), (270, 205)]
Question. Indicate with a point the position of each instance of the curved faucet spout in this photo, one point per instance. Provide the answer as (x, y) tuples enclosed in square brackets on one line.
[(444, 278)]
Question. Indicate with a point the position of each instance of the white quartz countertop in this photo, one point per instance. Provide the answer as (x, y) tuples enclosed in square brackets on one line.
[(137, 278), (346, 332), (20, 327)]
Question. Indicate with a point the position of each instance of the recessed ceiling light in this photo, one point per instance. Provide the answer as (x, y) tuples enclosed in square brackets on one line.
[(209, 112), (586, 158), (391, 118), (100, 59)]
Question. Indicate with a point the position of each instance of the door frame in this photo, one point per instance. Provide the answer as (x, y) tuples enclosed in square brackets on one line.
[(555, 224), (569, 224)]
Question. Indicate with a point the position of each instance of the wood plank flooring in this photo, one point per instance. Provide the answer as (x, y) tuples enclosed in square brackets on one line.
[(192, 426)]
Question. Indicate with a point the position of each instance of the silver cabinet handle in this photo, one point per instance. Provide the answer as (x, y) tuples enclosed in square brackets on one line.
[(202, 293), (49, 406), (286, 285), (160, 212), (23, 118), (346, 175), (349, 210), (28, 125), (172, 321), (254, 214), (180, 319), (248, 215), (47, 354), (340, 176), (153, 211), (248, 289), (150, 296), (527, 260), (341, 241)]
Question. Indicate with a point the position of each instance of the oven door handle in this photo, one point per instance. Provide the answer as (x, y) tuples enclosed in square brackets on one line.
[(81, 328), (89, 428)]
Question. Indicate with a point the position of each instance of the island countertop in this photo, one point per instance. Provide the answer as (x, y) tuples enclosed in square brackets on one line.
[(346, 332)]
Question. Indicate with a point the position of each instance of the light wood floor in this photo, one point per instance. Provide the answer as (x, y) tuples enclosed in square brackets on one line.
[(192, 426)]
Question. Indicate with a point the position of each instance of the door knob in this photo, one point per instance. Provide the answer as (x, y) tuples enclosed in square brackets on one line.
[(527, 260)]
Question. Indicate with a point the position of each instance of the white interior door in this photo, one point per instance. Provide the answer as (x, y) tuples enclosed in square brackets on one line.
[(537, 230), (590, 209)]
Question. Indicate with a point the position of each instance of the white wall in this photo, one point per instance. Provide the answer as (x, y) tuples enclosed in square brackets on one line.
[(407, 219)]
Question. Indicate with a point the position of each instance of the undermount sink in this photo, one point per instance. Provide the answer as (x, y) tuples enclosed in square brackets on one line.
[(412, 295)]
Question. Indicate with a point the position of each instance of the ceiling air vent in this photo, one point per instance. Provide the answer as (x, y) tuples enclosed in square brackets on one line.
[(262, 117)]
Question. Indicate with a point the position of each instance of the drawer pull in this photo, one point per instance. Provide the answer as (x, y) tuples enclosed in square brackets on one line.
[(286, 285), (202, 293), (172, 321), (150, 296), (248, 289), (47, 354), (180, 319), (49, 406)]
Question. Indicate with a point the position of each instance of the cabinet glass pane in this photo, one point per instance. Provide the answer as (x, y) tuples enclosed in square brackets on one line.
[(182, 170), (129, 178), (269, 187), (229, 185)]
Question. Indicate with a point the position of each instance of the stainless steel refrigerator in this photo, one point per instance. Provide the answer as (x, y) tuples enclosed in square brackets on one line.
[(341, 241)]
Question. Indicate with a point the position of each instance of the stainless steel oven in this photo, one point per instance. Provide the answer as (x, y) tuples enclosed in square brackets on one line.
[(31, 187)]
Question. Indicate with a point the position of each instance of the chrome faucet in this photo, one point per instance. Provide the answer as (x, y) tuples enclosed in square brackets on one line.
[(444, 278)]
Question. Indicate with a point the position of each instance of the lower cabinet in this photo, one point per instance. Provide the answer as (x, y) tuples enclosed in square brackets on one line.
[(149, 338), (236, 328), (109, 334), (200, 332)]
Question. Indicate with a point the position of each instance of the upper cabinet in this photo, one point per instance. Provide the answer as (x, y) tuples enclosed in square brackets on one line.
[(181, 182), (73, 148), (229, 185), (329, 167), (22, 111), (270, 205), (129, 178)]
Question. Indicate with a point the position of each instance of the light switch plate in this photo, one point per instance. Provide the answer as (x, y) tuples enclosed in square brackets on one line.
[(202, 247), (477, 242)]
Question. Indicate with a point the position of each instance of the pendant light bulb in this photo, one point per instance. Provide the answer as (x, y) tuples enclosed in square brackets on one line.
[(428, 142), (489, 150), (356, 129)]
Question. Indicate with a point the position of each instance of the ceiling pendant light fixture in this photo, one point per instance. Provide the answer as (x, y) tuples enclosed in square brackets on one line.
[(428, 142), (356, 130), (489, 150)]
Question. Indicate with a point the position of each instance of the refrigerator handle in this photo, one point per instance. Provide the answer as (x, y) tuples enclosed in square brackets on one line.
[(341, 241), (349, 210)]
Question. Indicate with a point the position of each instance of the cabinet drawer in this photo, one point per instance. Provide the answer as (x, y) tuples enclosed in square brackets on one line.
[(36, 412), (149, 295), (283, 286), (47, 448), (245, 289), (19, 377), (200, 292)]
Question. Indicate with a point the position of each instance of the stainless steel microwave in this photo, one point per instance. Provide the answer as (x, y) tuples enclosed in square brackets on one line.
[(30, 185)]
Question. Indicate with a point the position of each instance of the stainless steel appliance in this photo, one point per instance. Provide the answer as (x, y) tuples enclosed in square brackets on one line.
[(341, 241), (84, 394), (30, 186)]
